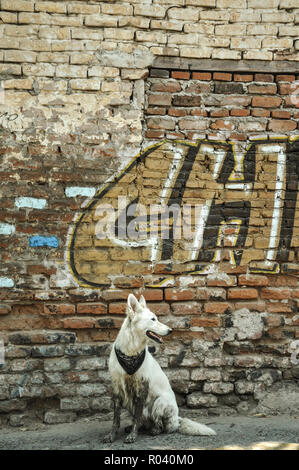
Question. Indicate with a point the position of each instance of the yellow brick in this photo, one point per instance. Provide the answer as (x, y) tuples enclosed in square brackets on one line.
[(92, 84), (71, 71), (101, 20), (47, 32), (121, 34), (21, 84), (58, 58), (7, 17), (20, 56), (117, 9), (17, 5), (84, 33), (83, 9), (51, 7)]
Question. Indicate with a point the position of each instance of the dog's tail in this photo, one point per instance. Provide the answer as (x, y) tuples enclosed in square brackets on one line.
[(191, 428)]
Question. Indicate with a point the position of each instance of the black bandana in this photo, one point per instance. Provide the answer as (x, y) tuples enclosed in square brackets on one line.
[(130, 363)]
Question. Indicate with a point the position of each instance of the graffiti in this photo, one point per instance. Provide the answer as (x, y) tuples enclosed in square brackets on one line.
[(6, 118), (241, 205)]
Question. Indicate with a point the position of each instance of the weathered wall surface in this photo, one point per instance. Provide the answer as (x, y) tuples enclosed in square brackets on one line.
[(184, 103)]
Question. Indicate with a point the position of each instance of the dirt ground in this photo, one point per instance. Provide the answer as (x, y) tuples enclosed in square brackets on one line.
[(233, 432)]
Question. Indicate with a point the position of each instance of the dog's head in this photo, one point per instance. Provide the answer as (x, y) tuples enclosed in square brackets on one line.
[(144, 321)]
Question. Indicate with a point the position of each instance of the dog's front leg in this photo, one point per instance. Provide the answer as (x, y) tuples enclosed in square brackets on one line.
[(139, 403), (116, 420)]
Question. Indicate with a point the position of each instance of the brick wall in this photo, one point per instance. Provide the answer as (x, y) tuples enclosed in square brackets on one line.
[(186, 102)]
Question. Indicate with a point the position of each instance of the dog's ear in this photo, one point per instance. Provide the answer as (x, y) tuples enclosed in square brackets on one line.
[(133, 306), (142, 302)]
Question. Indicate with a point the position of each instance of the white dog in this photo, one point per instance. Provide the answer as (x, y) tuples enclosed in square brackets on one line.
[(138, 382)]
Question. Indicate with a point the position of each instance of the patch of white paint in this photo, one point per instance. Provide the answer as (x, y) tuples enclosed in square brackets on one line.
[(7, 229), (30, 203), (74, 191), (6, 282)]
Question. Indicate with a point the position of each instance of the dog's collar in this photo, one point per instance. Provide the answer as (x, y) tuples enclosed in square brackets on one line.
[(130, 363)]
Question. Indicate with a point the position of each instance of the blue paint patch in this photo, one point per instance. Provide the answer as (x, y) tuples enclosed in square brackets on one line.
[(30, 202), (6, 282), (39, 240), (7, 229), (74, 191)]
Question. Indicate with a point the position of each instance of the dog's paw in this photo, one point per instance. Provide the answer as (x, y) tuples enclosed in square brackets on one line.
[(131, 438), (109, 438), (156, 431)]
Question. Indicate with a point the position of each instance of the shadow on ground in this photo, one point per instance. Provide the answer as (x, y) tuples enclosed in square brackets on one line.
[(235, 433)]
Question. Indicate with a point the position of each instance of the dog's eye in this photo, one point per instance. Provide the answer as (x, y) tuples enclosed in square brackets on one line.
[(153, 319)]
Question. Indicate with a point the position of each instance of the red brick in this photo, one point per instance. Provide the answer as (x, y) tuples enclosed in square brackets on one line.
[(201, 76), (243, 77), (287, 88), (260, 112), (223, 76), (79, 323), (180, 75), (155, 134), (92, 308), (270, 89), (283, 280), (285, 78), (273, 320), (177, 294), (175, 135), (275, 333), (117, 294), (40, 269), (252, 306), (266, 101), (117, 308), (216, 307), (186, 308), (159, 308), (251, 280), (246, 294), (166, 87), (278, 307), (32, 309), (275, 294), (279, 114), (152, 294), (198, 112), (161, 123), (220, 124), (205, 322), (5, 309), (186, 100), (222, 281), (219, 113), (59, 309), (158, 111), (162, 99), (236, 136), (240, 112), (178, 112), (263, 77), (282, 125)]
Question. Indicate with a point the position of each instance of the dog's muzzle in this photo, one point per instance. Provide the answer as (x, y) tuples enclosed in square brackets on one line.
[(156, 337)]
